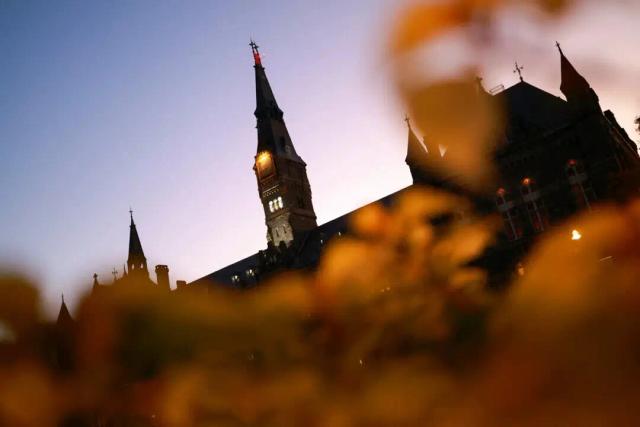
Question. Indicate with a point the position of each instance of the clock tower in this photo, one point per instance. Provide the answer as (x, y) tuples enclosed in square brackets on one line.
[(283, 185)]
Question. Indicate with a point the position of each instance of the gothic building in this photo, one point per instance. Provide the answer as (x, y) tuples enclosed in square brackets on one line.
[(555, 157), (135, 270), (281, 173)]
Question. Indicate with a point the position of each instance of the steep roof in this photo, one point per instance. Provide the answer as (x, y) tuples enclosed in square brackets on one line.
[(135, 246), (530, 107), (273, 134), (64, 317)]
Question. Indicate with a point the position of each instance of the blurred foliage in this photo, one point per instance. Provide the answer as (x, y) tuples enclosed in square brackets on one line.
[(447, 109), (395, 328)]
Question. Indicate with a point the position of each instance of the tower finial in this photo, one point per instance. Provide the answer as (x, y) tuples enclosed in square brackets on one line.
[(256, 52), (63, 297), (408, 121), (559, 48), (518, 71)]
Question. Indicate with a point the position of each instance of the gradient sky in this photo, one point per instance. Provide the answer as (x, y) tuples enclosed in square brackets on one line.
[(149, 104)]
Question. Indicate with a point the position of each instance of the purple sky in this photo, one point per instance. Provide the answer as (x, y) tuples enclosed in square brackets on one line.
[(104, 105)]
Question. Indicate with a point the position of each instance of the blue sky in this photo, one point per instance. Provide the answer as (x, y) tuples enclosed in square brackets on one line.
[(106, 105)]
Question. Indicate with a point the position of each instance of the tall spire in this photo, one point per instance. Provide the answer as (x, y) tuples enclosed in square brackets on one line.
[(283, 184), (273, 135), (136, 260), (575, 87)]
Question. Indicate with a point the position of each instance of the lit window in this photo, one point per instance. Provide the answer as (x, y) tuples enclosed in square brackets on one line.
[(271, 206), (500, 197), (250, 272), (280, 205), (235, 278), (582, 192)]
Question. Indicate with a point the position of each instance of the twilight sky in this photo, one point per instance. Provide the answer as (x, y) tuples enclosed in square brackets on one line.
[(149, 104)]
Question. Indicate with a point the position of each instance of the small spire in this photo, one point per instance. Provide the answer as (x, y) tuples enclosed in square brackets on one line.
[(256, 52), (518, 71), (64, 318), (95, 279), (408, 121), (131, 215), (559, 48), (114, 272)]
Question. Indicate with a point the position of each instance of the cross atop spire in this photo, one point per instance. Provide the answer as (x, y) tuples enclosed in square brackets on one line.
[(518, 71), (256, 52)]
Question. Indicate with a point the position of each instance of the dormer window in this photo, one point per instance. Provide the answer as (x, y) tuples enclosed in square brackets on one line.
[(250, 272), (235, 278)]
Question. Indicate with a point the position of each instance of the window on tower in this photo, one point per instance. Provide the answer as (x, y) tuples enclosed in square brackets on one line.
[(276, 204)]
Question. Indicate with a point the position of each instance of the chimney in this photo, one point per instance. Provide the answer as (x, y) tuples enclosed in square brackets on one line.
[(180, 284), (162, 276)]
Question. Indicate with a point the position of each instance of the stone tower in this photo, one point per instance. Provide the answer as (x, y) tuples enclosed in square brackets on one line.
[(283, 185)]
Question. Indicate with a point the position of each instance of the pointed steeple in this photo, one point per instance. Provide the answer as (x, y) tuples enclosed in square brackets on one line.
[(273, 135), (575, 87), (283, 184), (64, 317), (136, 262)]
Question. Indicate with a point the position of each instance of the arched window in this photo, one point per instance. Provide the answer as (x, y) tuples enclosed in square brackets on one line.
[(510, 217), (534, 204), (582, 192)]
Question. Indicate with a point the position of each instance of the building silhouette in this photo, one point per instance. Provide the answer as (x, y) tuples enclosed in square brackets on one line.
[(555, 157)]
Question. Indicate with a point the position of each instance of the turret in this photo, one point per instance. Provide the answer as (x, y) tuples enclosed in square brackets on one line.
[(575, 88), (162, 277)]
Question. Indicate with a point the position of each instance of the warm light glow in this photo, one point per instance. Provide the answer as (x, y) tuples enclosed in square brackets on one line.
[(264, 164), (526, 182), (501, 192), (575, 235), (263, 157)]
